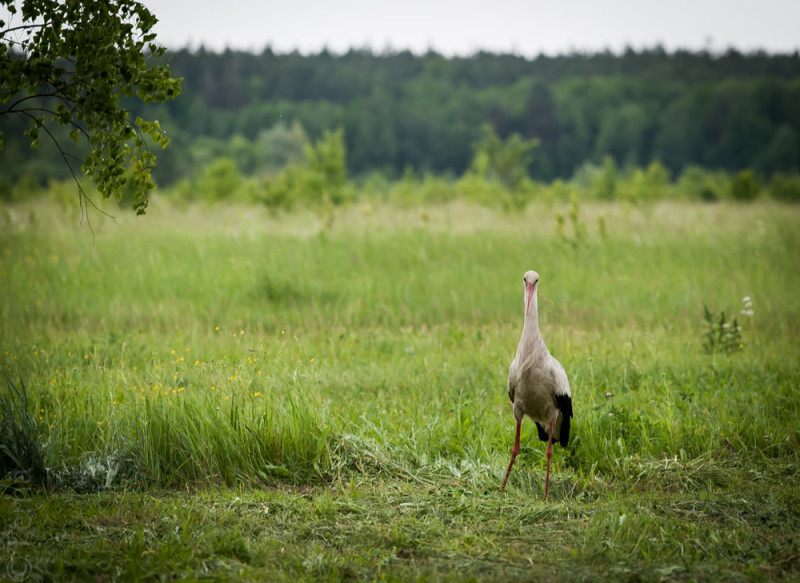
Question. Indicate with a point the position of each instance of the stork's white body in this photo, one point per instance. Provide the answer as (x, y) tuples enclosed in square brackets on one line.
[(537, 383), (536, 380)]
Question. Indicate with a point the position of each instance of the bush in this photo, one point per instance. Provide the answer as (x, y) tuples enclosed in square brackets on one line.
[(785, 187), (650, 183), (327, 165), (481, 190), (285, 190), (220, 181), (276, 148), (744, 186), (605, 183), (598, 182), (506, 161), (321, 180), (564, 191), (701, 184)]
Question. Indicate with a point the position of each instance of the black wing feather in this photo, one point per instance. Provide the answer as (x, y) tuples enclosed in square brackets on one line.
[(565, 406)]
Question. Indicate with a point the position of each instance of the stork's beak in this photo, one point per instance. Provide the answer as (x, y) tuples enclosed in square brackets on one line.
[(528, 294)]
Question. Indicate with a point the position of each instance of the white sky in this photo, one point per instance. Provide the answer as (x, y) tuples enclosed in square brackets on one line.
[(464, 26)]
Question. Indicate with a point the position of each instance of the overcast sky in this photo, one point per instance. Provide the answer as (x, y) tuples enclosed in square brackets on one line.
[(465, 26)]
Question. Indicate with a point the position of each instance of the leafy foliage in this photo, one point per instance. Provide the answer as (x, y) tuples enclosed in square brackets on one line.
[(321, 178), (785, 187), (721, 335), (400, 110), (679, 110), (505, 160), (71, 64), (327, 161), (744, 186)]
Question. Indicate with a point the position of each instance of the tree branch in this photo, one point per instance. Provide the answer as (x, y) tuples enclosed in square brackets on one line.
[(27, 111), (83, 198), (20, 27), (72, 63)]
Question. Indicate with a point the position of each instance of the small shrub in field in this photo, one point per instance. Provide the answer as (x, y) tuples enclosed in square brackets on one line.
[(284, 191), (721, 335), (708, 195), (221, 180), (650, 183), (277, 147), (700, 184), (607, 181), (598, 182), (327, 162), (435, 189), (479, 189), (321, 180), (785, 187), (504, 160), (579, 231), (744, 186), (560, 190)]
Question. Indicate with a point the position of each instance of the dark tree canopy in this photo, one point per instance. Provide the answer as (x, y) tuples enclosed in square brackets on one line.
[(402, 112), (726, 111), (71, 63)]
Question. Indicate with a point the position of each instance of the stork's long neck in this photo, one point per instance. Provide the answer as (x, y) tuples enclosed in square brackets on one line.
[(531, 341)]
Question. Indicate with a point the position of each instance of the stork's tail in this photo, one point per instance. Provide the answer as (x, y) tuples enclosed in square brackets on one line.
[(565, 406)]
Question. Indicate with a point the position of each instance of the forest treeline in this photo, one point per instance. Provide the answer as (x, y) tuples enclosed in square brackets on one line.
[(400, 112)]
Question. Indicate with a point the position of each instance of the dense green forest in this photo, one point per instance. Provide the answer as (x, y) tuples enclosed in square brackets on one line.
[(401, 112)]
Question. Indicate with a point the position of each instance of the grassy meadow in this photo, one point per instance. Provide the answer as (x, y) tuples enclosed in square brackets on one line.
[(217, 392)]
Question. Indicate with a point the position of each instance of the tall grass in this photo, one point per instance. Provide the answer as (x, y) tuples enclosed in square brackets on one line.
[(21, 449), (226, 345)]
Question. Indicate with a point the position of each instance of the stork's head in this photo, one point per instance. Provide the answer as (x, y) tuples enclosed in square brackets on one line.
[(531, 281)]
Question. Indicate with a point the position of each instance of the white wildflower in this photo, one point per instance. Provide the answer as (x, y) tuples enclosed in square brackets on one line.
[(747, 307)]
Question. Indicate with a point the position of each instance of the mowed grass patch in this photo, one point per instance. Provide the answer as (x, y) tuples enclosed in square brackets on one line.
[(197, 348), (396, 531)]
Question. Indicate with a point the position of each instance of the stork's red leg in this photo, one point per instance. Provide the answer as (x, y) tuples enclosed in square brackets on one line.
[(549, 455), (514, 452)]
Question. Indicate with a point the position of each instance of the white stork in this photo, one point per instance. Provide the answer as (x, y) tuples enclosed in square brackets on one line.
[(537, 384)]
